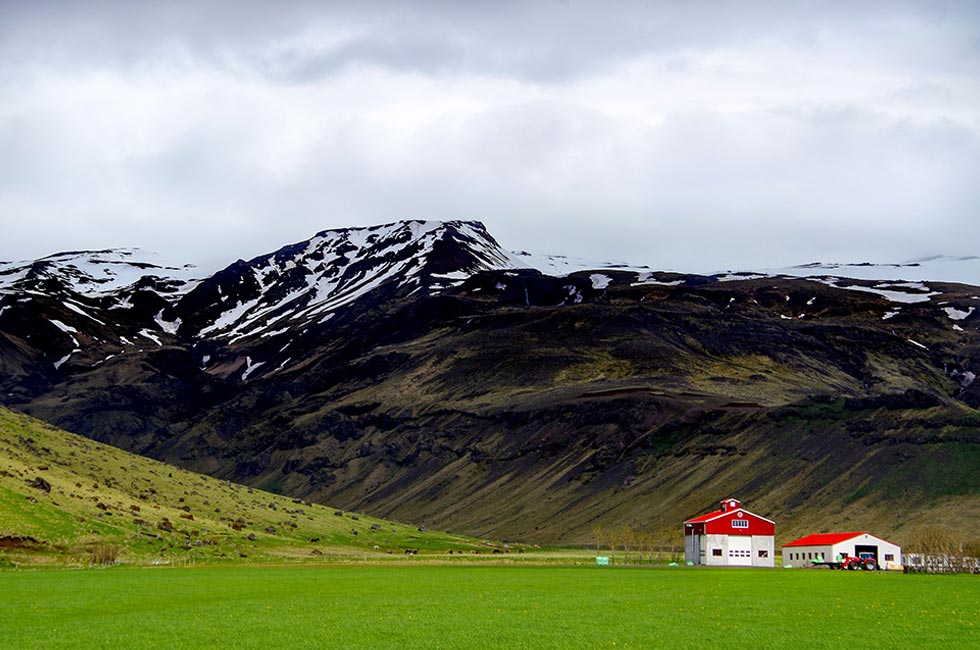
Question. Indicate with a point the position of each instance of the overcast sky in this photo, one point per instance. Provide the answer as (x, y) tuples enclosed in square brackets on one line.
[(694, 136)]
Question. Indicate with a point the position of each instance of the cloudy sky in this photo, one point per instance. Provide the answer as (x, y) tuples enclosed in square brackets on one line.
[(695, 136)]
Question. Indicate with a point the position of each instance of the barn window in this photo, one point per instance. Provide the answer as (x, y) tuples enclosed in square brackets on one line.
[(716, 552), (763, 553), (740, 523), (889, 557)]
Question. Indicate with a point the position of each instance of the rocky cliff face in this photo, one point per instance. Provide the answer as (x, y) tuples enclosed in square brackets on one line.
[(417, 371)]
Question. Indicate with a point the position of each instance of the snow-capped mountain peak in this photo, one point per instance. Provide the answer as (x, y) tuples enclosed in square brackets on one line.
[(95, 274), (938, 268), (306, 282)]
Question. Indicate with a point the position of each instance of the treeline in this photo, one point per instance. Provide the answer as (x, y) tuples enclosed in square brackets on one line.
[(627, 545)]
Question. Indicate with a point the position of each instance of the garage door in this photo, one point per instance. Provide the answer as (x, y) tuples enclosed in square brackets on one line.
[(740, 550)]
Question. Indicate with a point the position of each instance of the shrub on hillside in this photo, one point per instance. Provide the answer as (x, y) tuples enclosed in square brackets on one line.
[(104, 555)]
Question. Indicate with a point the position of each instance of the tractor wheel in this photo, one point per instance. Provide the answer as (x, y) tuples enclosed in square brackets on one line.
[(852, 567), (870, 565)]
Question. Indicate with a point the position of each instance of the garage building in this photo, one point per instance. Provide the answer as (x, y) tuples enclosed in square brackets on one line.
[(825, 547)]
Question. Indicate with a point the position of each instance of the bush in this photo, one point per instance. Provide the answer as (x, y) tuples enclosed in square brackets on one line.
[(104, 555), (934, 540), (972, 548)]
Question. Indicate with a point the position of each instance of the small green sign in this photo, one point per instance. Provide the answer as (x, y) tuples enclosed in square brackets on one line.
[(601, 560)]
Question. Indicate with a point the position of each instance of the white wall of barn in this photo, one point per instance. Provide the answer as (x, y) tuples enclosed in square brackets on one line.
[(763, 551), (715, 550), (800, 557), (721, 550)]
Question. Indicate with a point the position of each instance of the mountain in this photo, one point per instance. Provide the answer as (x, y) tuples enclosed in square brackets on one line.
[(418, 371), (306, 283), (938, 268), (97, 273), (65, 497)]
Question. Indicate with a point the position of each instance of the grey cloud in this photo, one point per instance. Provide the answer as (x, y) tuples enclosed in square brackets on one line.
[(540, 41), (700, 192), (239, 127), (666, 198), (418, 52)]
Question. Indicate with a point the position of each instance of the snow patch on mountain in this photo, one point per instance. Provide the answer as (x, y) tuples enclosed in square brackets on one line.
[(903, 292), (170, 327), (150, 335), (78, 310), (562, 265), (96, 273), (958, 314), (650, 278), (64, 328), (251, 367), (60, 362), (600, 281), (939, 268)]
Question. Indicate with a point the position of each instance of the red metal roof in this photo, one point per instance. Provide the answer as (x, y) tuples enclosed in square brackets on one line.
[(721, 513), (824, 539)]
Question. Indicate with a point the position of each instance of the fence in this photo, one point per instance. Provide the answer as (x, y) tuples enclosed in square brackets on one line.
[(927, 563)]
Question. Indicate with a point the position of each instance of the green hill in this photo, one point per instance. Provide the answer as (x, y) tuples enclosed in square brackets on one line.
[(65, 498)]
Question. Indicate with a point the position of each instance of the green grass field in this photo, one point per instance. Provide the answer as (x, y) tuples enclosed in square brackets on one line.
[(485, 607)]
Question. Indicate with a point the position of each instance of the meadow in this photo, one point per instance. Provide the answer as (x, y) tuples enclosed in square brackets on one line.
[(428, 606), (64, 499)]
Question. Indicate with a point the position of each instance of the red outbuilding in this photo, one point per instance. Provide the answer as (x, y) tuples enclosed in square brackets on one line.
[(731, 536)]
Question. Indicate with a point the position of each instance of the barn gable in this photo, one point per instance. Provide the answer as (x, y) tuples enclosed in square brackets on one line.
[(731, 536)]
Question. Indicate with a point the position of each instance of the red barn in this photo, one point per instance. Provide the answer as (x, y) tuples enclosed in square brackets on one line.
[(731, 536)]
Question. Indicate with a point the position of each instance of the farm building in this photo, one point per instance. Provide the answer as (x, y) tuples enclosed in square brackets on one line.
[(827, 546), (731, 536)]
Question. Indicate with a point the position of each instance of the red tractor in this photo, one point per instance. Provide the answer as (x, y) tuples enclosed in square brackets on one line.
[(865, 561)]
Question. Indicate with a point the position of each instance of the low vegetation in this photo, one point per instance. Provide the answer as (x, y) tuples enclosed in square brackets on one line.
[(486, 607), (638, 546)]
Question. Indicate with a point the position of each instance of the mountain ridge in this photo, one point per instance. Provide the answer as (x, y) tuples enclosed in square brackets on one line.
[(415, 370)]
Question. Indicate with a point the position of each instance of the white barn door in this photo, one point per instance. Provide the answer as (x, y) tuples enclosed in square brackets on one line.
[(739, 550)]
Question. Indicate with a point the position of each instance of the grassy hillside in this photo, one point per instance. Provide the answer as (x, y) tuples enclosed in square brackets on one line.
[(67, 498)]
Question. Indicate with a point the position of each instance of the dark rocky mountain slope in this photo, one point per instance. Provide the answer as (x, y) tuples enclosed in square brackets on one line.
[(415, 371)]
